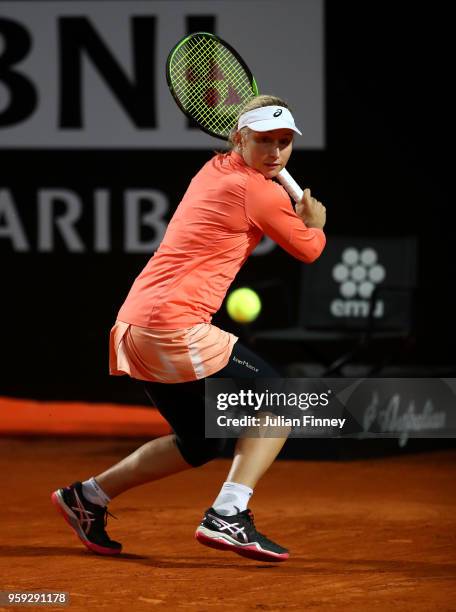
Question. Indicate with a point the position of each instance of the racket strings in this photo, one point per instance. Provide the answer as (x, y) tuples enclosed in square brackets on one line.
[(210, 83), (201, 97)]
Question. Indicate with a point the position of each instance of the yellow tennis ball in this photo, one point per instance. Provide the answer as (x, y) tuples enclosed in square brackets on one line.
[(243, 305)]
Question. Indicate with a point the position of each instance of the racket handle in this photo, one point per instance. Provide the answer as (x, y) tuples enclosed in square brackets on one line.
[(290, 185)]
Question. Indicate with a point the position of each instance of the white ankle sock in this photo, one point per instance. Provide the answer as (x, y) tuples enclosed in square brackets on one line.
[(94, 493), (233, 498)]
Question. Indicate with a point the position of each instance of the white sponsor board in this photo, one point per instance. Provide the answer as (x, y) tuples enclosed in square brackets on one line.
[(55, 94)]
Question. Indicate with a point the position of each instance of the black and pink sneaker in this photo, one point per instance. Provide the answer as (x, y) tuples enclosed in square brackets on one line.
[(86, 519), (238, 534)]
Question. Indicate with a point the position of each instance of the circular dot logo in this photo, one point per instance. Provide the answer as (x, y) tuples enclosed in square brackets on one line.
[(350, 257), (365, 289), (358, 273), (377, 273), (340, 273), (348, 289), (368, 257)]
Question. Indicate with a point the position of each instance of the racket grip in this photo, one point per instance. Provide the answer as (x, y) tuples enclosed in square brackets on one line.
[(290, 185)]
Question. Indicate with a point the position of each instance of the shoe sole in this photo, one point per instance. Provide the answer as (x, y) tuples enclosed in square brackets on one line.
[(253, 550), (72, 520)]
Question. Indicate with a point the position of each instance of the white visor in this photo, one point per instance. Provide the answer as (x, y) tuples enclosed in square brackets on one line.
[(268, 118)]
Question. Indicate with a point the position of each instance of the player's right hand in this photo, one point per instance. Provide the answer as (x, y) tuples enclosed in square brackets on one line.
[(311, 211)]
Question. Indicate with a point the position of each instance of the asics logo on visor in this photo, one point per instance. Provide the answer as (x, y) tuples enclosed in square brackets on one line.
[(267, 118)]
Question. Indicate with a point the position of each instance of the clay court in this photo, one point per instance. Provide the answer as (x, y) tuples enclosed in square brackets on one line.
[(376, 534)]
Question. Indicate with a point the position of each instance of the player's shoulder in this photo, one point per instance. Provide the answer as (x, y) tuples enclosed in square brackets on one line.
[(268, 188), (228, 170)]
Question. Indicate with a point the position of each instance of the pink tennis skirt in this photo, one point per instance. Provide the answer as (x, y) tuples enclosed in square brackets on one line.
[(168, 356)]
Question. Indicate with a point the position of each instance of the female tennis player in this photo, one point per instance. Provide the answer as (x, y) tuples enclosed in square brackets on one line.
[(163, 334)]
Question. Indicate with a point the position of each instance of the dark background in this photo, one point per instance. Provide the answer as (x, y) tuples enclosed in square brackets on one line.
[(385, 172)]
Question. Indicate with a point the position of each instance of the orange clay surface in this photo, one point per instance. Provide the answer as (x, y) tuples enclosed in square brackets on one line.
[(363, 535), (30, 417)]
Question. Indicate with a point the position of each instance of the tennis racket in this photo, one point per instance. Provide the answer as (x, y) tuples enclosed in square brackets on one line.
[(210, 83)]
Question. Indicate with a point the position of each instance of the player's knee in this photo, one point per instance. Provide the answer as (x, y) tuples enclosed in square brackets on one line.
[(197, 451)]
